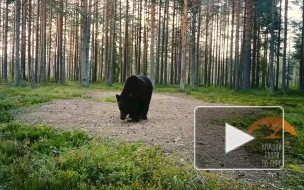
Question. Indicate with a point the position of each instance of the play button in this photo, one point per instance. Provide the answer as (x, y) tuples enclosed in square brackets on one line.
[(235, 138)]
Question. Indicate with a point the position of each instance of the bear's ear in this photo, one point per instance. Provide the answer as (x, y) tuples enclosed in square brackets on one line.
[(117, 97)]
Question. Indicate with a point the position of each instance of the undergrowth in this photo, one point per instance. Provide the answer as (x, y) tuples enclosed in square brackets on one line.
[(41, 158), (38, 157)]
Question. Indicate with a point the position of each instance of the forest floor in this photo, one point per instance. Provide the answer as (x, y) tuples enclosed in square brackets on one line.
[(170, 125)]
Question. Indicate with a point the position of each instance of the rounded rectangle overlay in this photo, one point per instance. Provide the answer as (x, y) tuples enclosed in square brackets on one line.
[(239, 137)]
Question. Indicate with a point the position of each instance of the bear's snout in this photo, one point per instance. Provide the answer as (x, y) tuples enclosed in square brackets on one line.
[(123, 115)]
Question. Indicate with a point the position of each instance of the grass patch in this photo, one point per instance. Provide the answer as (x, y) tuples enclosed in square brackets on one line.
[(110, 100), (39, 158), (107, 99), (19, 97)]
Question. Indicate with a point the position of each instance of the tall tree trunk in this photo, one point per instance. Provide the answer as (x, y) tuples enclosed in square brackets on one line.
[(23, 38), (158, 43), (183, 58), (163, 49), (120, 43), (258, 66), (193, 60), (60, 43), (288, 66), (165, 73), (145, 48), (231, 47), (206, 46), (29, 56), (126, 43), (17, 32), (285, 47), (271, 73), (173, 46), (216, 50), (198, 62), (106, 48), (5, 44), (248, 36), (13, 38), (37, 41), (152, 77), (237, 30), (43, 44), (278, 48), (94, 77), (86, 22), (139, 38), (254, 49), (112, 68)]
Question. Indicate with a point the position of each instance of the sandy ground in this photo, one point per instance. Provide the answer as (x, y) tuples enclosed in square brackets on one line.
[(170, 124)]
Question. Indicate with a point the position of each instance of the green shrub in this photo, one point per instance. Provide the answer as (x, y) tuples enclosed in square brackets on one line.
[(40, 158)]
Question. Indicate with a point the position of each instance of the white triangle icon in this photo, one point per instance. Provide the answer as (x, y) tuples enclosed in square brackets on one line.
[(235, 138)]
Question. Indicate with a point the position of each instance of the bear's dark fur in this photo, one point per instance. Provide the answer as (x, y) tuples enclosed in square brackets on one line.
[(135, 98)]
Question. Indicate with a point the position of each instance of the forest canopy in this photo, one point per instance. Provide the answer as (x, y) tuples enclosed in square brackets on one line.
[(241, 44)]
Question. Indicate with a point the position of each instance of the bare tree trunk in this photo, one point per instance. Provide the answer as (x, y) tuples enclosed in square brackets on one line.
[(278, 48), (43, 44), (206, 46), (158, 43), (86, 22), (152, 77), (285, 47), (23, 38), (237, 30), (271, 74), (254, 50), (162, 45), (13, 48), (106, 62), (94, 74), (193, 61), (165, 74), (60, 42), (231, 47), (17, 32), (183, 59), (113, 46), (216, 50), (248, 36), (173, 46), (258, 65), (139, 38), (198, 63), (37, 41), (5, 44), (120, 43), (126, 43)]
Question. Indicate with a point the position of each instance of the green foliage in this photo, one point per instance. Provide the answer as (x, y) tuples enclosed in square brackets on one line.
[(11, 97), (107, 99), (40, 158), (110, 99)]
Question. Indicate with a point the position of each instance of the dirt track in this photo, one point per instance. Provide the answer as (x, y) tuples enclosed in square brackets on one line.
[(170, 124)]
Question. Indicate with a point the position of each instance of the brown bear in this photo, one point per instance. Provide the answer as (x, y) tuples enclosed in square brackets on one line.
[(135, 98)]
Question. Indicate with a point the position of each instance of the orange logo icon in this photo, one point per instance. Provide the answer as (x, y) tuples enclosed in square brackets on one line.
[(273, 124)]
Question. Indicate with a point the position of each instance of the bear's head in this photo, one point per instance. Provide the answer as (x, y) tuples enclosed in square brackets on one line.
[(124, 105)]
